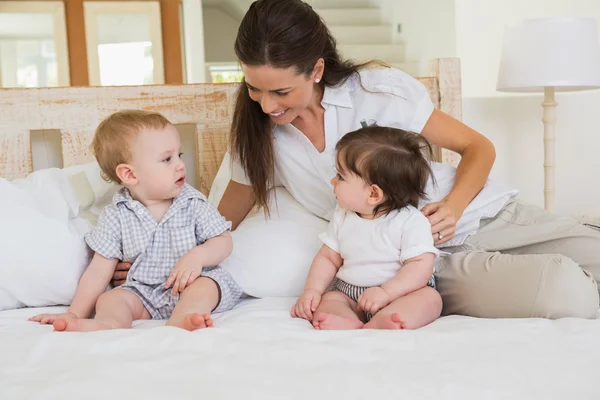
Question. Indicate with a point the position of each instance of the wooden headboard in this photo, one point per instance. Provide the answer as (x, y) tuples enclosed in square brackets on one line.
[(34, 121)]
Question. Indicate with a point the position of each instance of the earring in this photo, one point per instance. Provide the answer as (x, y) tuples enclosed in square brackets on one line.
[(317, 80)]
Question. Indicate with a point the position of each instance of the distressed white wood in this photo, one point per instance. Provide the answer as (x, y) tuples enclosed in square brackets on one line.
[(77, 111), (15, 152), (447, 72)]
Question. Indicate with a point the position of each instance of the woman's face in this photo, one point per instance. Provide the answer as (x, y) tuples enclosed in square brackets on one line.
[(281, 92)]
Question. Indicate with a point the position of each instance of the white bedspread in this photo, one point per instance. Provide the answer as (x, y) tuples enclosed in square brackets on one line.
[(258, 352)]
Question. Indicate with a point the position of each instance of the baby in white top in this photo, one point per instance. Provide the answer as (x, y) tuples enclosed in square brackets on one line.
[(375, 269)]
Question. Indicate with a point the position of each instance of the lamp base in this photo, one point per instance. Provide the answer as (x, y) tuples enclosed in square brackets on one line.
[(549, 120)]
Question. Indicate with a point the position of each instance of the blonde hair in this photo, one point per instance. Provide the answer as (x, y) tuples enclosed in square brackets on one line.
[(112, 139)]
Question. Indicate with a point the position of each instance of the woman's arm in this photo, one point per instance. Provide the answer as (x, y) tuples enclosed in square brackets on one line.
[(236, 203), (478, 156)]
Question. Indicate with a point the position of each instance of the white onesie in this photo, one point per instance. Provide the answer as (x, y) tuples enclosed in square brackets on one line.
[(374, 250)]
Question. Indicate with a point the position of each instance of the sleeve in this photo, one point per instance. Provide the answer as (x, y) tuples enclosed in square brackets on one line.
[(238, 174), (209, 222), (106, 238), (413, 100), (330, 237), (416, 237)]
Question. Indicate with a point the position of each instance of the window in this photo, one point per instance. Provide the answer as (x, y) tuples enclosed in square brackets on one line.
[(225, 73), (124, 41), (33, 49), (126, 63)]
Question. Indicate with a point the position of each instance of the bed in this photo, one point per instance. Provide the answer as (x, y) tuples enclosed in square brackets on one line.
[(257, 350)]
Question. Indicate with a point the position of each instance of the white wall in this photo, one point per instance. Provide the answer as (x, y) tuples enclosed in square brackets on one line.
[(220, 31), (480, 26), (513, 122), (425, 27)]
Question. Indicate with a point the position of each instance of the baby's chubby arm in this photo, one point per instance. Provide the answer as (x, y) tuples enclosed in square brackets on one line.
[(213, 251), (414, 274), (322, 271), (92, 284), (208, 254)]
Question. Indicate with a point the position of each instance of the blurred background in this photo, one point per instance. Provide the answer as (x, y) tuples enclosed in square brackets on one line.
[(88, 42)]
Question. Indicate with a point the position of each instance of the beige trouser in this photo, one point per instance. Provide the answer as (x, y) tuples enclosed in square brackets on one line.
[(525, 262)]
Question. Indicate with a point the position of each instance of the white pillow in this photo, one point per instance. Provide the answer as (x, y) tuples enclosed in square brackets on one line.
[(42, 252), (91, 191), (271, 257)]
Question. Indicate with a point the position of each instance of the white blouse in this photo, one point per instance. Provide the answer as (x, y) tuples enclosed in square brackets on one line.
[(382, 96)]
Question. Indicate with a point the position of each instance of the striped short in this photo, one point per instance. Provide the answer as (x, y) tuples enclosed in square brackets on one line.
[(354, 292)]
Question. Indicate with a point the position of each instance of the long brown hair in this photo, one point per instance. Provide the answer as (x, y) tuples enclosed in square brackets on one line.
[(281, 34), (393, 159)]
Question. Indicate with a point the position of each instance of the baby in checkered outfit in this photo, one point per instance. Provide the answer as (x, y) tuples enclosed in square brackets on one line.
[(174, 238)]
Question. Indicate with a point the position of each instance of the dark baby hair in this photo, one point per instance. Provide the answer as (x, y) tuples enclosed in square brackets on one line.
[(395, 160)]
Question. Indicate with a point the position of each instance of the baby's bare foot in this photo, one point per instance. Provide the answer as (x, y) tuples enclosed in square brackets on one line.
[(191, 322), (81, 325), (392, 321), (326, 322), (60, 325)]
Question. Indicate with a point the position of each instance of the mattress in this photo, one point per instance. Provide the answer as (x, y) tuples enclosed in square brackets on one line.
[(257, 351)]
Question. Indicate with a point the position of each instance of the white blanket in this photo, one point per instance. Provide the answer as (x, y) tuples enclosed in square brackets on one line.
[(258, 352)]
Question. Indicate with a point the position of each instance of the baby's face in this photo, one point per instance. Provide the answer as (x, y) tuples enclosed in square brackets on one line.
[(157, 163), (352, 192)]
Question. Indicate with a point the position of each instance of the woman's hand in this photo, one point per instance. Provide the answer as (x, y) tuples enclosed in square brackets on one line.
[(443, 217), (120, 273)]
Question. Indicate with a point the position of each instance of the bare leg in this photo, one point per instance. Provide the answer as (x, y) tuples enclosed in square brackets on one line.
[(336, 312), (195, 305), (412, 311), (115, 309)]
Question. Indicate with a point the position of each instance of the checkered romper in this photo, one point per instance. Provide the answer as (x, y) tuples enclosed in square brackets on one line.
[(127, 231)]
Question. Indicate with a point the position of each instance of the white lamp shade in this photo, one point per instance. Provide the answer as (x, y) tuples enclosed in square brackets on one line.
[(562, 53)]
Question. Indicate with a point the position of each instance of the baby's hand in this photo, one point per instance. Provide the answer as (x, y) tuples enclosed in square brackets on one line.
[(50, 318), (373, 299), (306, 304), (185, 272)]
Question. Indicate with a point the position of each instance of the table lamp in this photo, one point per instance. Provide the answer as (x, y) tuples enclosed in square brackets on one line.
[(548, 55)]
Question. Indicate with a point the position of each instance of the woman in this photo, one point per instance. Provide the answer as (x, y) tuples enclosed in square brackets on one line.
[(298, 97)]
